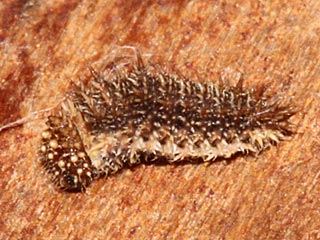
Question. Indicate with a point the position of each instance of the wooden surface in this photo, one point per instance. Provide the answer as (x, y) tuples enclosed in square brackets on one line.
[(46, 44)]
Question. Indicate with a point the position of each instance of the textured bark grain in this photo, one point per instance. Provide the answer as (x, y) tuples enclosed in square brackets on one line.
[(44, 45)]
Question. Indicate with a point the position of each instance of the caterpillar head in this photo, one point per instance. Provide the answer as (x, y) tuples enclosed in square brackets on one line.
[(63, 155)]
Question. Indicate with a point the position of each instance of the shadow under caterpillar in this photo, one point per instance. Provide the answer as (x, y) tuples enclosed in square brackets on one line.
[(144, 112)]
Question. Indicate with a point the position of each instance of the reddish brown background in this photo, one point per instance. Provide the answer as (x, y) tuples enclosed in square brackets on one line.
[(46, 44)]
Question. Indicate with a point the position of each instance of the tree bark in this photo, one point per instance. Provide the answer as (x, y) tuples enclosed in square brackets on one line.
[(45, 45)]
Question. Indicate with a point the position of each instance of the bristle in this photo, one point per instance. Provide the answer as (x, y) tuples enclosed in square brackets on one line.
[(139, 112)]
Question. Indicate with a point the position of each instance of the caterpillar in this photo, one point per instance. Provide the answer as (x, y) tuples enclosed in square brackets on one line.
[(142, 112)]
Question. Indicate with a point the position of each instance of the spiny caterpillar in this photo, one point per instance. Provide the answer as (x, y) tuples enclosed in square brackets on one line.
[(144, 113)]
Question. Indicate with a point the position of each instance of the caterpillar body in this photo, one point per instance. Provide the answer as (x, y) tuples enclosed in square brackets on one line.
[(144, 113)]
